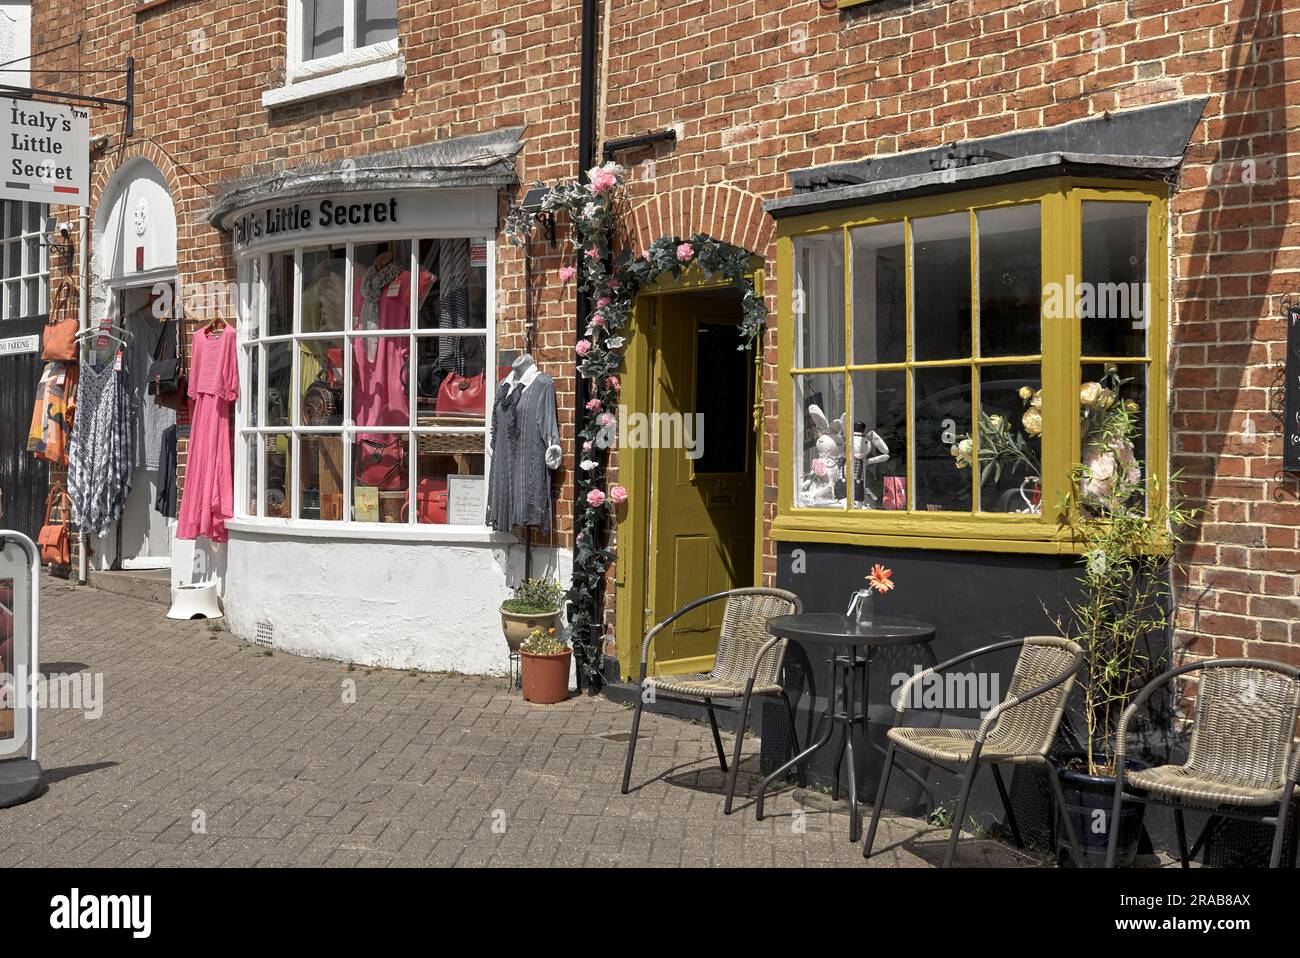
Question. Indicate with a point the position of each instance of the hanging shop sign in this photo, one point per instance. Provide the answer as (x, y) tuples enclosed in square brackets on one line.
[(44, 153), (351, 215), (17, 345)]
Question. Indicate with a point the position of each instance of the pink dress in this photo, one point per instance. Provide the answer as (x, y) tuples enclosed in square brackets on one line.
[(208, 498), (381, 373)]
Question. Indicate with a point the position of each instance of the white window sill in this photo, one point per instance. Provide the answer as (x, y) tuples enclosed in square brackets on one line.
[(371, 531), (378, 63)]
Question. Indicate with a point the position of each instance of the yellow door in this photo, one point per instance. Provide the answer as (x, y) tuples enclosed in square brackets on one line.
[(701, 481)]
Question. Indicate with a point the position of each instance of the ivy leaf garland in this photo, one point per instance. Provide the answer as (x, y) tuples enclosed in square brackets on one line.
[(611, 282)]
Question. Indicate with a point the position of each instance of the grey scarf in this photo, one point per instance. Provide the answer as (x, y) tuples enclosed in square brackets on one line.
[(372, 287)]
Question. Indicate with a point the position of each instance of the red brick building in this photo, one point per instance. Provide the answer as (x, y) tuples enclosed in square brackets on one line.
[(913, 178)]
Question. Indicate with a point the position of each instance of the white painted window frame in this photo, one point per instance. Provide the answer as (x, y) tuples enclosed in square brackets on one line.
[(28, 270), (353, 67), (412, 529)]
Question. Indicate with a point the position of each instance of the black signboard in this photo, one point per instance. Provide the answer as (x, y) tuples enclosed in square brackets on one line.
[(1291, 427)]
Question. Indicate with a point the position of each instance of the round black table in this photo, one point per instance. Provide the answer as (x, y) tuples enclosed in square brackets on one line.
[(847, 673)]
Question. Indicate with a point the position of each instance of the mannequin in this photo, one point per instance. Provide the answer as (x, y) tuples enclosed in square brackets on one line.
[(522, 372), (525, 442)]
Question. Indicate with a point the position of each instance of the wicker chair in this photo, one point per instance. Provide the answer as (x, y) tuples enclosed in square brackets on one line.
[(1242, 762), (748, 663), (1017, 731)]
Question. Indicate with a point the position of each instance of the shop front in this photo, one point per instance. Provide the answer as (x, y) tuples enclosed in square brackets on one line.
[(952, 336), (367, 359)]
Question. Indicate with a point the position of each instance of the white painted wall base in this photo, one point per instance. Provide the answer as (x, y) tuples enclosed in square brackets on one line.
[(394, 604)]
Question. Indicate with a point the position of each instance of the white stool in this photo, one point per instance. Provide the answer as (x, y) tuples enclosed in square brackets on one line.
[(197, 601)]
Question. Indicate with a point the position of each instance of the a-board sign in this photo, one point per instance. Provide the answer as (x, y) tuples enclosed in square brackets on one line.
[(44, 152)]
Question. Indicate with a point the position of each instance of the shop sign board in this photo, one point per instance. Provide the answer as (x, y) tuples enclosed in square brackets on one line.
[(18, 345), (339, 217), (44, 153)]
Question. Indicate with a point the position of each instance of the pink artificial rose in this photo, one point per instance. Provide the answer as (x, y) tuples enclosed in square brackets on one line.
[(595, 498), (647, 256), (567, 273), (593, 253), (598, 320), (602, 302), (613, 383), (685, 252), (606, 419), (583, 347), (586, 446), (602, 181), (617, 495), (594, 405), (819, 467), (615, 284)]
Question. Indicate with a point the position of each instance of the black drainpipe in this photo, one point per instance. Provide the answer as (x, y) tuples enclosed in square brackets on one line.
[(586, 160)]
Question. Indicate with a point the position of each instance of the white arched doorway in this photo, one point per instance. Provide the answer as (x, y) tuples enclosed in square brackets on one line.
[(133, 262)]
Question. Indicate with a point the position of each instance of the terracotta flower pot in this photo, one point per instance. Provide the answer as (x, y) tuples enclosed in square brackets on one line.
[(546, 677), (517, 625)]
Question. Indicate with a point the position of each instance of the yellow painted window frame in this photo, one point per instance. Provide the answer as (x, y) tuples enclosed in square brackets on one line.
[(1061, 201)]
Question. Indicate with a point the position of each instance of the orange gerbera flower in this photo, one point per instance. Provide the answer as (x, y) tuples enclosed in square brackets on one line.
[(880, 578)]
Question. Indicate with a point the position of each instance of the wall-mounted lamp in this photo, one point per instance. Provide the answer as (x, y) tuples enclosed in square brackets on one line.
[(58, 239), (532, 203)]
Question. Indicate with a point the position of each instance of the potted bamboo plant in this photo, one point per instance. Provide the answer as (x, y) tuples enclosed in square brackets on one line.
[(1128, 534), (545, 665), (536, 604)]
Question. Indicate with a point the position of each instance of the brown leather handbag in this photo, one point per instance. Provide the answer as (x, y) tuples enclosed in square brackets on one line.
[(59, 342), (56, 546)]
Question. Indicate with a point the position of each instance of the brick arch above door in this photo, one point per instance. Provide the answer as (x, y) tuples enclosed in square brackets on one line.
[(723, 212), (146, 151)]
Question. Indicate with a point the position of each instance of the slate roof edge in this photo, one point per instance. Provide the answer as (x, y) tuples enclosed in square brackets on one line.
[(477, 160)]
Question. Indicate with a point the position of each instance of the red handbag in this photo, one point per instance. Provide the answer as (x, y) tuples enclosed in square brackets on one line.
[(430, 502), (56, 547), (380, 464), (462, 396)]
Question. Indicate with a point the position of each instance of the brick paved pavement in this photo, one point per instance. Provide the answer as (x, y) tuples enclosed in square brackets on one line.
[(421, 770)]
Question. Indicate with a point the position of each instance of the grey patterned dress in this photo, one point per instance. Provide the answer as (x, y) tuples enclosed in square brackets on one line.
[(102, 455), (523, 427)]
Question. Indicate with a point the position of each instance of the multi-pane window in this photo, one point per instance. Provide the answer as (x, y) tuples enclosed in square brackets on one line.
[(953, 357), (366, 379), (24, 260), (331, 27)]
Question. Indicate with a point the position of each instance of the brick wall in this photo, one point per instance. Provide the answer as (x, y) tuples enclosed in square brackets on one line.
[(201, 70), (765, 87)]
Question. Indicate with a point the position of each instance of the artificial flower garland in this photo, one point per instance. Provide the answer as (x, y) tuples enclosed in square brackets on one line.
[(611, 282)]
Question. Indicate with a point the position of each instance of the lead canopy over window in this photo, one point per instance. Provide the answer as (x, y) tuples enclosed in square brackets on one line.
[(955, 356), (366, 381)]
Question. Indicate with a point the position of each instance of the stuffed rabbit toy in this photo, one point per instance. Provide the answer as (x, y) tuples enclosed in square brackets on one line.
[(819, 485)]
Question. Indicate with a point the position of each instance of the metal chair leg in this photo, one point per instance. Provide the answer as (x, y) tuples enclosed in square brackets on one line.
[(794, 739), (735, 758), (1006, 807), (631, 742), (1279, 830), (968, 780), (1112, 843), (717, 739), (1064, 811), (880, 801), (1180, 827)]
